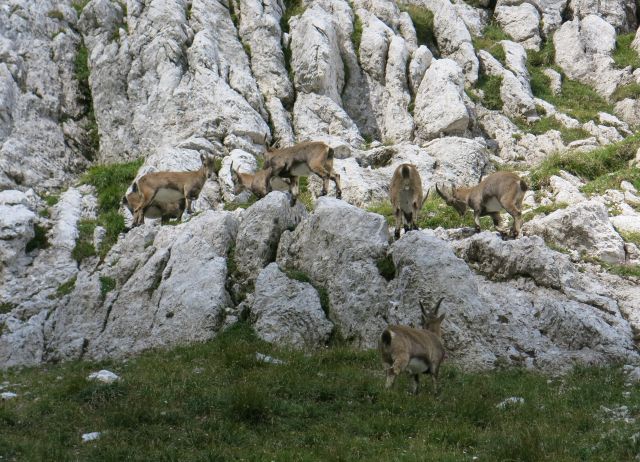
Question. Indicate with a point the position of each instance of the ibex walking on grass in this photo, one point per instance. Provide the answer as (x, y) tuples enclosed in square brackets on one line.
[(406, 197), (417, 351), (500, 190), (303, 159), (188, 184)]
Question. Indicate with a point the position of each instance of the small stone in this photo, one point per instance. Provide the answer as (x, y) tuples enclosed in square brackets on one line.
[(103, 376)]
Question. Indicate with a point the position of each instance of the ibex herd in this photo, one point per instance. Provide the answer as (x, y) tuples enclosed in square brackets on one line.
[(167, 194)]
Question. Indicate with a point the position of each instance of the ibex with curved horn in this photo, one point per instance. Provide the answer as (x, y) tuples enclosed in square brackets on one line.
[(500, 190), (417, 351), (258, 183)]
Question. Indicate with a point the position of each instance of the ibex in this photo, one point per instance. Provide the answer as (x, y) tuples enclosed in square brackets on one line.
[(406, 197), (303, 159), (188, 184), (166, 205), (417, 351), (500, 190), (258, 183)]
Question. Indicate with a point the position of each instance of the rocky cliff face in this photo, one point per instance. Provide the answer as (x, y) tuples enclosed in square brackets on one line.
[(453, 88)]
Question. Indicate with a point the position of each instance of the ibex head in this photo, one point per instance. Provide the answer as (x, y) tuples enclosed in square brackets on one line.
[(453, 197), (431, 321)]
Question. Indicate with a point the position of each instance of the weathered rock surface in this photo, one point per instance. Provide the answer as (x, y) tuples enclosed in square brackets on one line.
[(288, 312), (584, 227)]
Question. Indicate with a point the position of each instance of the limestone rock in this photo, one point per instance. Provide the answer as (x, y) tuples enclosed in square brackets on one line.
[(521, 22), (583, 227), (288, 312)]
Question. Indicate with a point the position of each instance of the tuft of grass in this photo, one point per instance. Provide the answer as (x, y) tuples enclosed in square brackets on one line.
[(304, 195), (39, 240), (490, 41), (66, 288), (622, 270), (544, 209), (602, 167), (81, 71), (291, 8), (107, 284), (56, 14), (236, 408), (576, 99), (111, 182), (356, 34), (51, 199), (632, 237), (386, 267), (631, 90), (6, 307), (490, 85), (231, 206), (84, 243), (422, 19), (624, 55), (545, 124), (79, 5)]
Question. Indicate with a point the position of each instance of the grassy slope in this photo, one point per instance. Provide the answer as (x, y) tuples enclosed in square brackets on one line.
[(214, 401)]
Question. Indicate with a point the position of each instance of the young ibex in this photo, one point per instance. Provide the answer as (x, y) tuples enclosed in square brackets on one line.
[(406, 197), (166, 205), (189, 184), (258, 183), (303, 159), (418, 351), (500, 190)]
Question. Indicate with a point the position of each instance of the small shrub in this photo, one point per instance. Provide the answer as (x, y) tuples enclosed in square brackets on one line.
[(66, 287), (39, 240)]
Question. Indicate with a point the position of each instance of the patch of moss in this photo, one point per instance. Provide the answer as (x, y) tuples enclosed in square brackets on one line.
[(386, 267), (6, 307), (56, 14)]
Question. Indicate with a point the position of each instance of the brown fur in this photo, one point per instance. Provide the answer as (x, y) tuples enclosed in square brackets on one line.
[(313, 156), (506, 188), (406, 197), (188, 183), (157, 209), (400, 345), (258, 183)]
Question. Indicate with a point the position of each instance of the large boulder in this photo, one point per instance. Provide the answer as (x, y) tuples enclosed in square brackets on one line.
[(439, 106), (288, 312), (521, 22), (337, 248), (584, 227)]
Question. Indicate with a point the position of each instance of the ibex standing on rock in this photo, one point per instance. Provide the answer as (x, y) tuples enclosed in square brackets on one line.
[(164, 206), (188, 184), (303, 159), (406, 197), (500, 190), (418, 351)]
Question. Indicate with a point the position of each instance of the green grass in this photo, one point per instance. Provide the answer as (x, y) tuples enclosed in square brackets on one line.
[(84, 243), (544, 209), (107, 284), (215, 401), (603, 168), (624, 55), (39, 240), (81, 72), (489, 41), (6, 307), (422, 20), (632, 237), (111, 182), (631, 90), (66, 288), (79, 5), (545, 124), (356, 35), (575, 99), (291, 8), (490, 85), (56, 14), (386, 267), (435, 213)]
